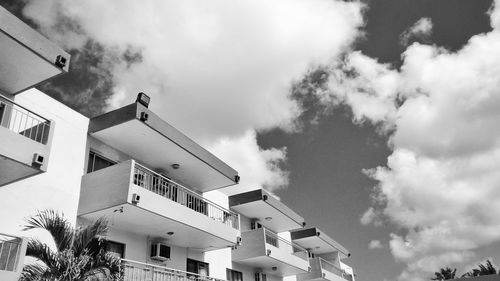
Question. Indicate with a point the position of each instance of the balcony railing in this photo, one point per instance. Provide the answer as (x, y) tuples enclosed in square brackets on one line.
[(328, 266), (274, 240), (137, 271), (10, 249), (23, 121), (171, 190)]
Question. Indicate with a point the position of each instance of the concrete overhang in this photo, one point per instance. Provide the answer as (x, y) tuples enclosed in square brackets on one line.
[(134, 219), (269, 211), (317, 242), (27, 58), (140, 133)]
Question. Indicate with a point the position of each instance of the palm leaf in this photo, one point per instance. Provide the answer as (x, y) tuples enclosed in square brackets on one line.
[(56, 224), (89, 237), (41, 251)]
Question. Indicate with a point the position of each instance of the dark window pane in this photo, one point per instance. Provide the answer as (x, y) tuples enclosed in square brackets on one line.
[(233, 275), (116, 249), (97, 162)]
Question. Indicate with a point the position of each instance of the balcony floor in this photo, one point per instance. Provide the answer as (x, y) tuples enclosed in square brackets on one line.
[(141, 221), (11, 170), (267, 262)]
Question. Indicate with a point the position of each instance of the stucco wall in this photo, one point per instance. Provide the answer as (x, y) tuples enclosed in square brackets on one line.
[(59, 187)]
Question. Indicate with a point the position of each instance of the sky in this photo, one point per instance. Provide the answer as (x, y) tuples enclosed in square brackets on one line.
[(375, 120)]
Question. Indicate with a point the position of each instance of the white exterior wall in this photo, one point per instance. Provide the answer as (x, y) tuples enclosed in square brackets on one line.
[(137, 248), (347, 269), (59, 187)]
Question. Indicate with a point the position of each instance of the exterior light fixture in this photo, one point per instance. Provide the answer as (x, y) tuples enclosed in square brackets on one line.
[(175, 166), (268, 218), (143, 99)]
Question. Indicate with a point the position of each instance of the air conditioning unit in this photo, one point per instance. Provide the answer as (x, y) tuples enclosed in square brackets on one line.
[(38, 159), (160, 252), (136, 198), (260, 276)]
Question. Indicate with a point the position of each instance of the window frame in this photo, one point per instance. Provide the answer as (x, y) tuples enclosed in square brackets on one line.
[(91, 159)]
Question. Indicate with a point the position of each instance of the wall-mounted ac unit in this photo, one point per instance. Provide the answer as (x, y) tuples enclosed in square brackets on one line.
[(260, 276), (38, 159), (136, 198), (160, 252)]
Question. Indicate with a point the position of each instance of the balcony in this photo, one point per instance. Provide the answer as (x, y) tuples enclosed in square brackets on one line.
[(12, 252), (138, 200), (261, 206), (323, 270), (138, 132), (137, 271), (27, 58), (318, 243), (24, 136), (270, 253)]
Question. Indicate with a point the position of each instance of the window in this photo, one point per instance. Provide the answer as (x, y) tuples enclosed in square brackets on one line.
[(116, 249), (97, 162), (233, 275), (2, 111), (197, 267)]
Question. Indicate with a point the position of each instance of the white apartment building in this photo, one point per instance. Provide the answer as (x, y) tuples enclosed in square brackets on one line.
[(159, 190)]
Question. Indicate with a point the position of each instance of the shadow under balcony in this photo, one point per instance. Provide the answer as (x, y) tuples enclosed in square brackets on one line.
[(140, 133), (138, 200), (27, 58), (25, 140), (270, 253)]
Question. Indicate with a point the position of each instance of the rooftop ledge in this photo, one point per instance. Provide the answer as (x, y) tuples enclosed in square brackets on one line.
[(261, 206), (140, 133), (27, 58), (317, 242)]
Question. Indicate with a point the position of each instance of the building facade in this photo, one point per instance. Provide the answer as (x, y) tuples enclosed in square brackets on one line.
[(160, 191)]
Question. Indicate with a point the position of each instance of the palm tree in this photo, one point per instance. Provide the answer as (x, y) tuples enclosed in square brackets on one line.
[(482, 270), (444, 274), (80, 253)]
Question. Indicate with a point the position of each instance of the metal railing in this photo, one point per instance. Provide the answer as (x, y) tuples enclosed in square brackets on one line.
[(10, 250), (347, 276), (23, 121), (171, 190), (138, 271), (328, 266), (274, 240)]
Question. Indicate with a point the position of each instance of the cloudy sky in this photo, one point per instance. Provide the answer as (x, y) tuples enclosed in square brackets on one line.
[(376, 120)]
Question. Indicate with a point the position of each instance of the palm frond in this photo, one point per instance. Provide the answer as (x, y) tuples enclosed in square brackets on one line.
[(33, 272), (89, 237), (55, 223), (41, 251)]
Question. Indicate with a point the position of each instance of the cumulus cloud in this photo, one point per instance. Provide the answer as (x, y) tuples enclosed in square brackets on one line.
[(375, 244), (440, 112), (214, 69), (420, 30)]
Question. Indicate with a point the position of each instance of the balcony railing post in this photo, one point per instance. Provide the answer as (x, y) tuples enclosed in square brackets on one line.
[(171, 190), (137, 271), (22, 121)]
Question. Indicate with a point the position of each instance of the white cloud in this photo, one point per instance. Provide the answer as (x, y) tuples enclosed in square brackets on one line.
[(441, 184), (421, 29), (375, 244), (214, 69), (257, 167)]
